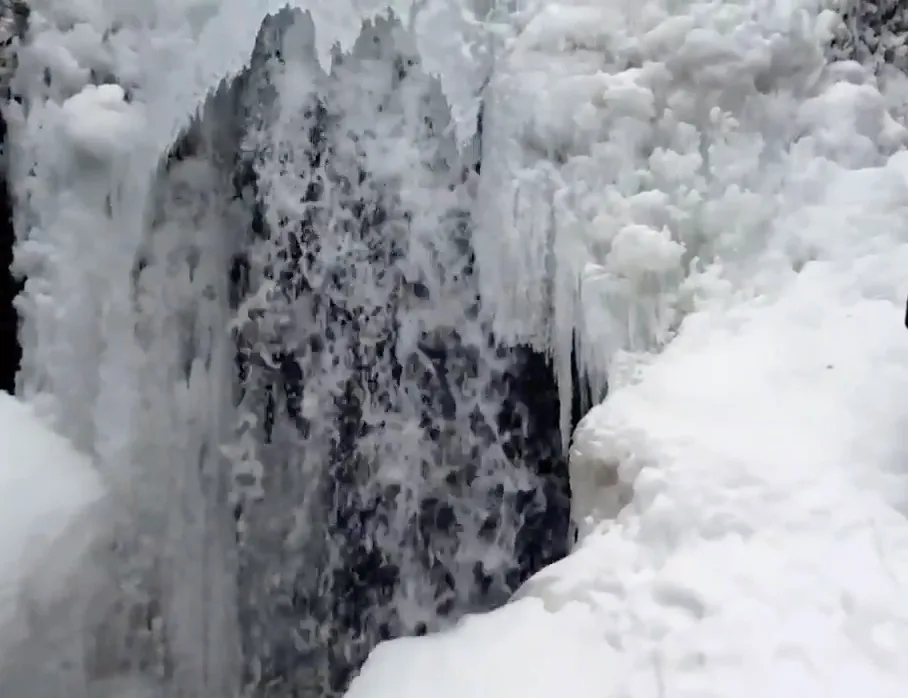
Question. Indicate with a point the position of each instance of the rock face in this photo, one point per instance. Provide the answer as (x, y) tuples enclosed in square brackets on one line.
[(396, 466)]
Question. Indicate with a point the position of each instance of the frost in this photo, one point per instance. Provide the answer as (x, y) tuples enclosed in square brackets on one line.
[(687, 195)]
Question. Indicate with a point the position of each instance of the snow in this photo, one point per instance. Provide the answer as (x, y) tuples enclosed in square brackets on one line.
[(653, 117), (741, 493), (49, 498), (744, 500), (721, 216), (98, 121)]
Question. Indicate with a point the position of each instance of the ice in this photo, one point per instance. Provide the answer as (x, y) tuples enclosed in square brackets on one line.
[(720, 217), (655, 118), (99, 122), (50, 504), (744, 506), (741, 493)]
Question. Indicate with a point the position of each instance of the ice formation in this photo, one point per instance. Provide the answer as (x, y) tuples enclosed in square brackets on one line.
[(392, 465)]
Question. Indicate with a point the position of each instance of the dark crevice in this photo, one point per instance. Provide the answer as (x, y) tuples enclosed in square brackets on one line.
[(10, 286)]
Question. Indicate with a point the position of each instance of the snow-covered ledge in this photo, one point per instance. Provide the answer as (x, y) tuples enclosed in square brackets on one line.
[(743, 494)]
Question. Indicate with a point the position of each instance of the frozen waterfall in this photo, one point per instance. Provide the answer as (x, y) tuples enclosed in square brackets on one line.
[(319, 293)]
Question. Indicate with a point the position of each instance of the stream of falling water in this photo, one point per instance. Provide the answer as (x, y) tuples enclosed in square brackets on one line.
[(314, 439)]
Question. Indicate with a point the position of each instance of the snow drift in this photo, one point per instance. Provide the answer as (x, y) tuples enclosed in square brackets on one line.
[(764, 550)]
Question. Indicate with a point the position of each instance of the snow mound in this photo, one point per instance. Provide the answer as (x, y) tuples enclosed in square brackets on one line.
[(659, 148), (47, 493)]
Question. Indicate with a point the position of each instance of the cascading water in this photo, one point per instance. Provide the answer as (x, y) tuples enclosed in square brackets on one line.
[(322, 443), (390, 462)]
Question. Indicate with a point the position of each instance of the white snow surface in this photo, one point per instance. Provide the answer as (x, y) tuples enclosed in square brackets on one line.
[(50, 496), (743, 491)]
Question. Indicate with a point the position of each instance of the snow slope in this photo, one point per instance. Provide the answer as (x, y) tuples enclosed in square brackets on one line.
[(765, 550), (743, 492), (49, 495)]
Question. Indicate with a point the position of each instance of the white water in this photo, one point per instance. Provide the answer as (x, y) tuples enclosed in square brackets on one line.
[(130, 339), (725, 191)]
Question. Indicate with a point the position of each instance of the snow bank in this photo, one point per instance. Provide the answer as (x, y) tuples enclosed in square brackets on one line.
[(743, 492), (47, 491)]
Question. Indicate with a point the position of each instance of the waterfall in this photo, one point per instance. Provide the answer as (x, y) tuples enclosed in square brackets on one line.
[(277, 351), (311, 351)]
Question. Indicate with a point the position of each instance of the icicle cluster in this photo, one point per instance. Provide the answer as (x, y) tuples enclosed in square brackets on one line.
[(619, 191)]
